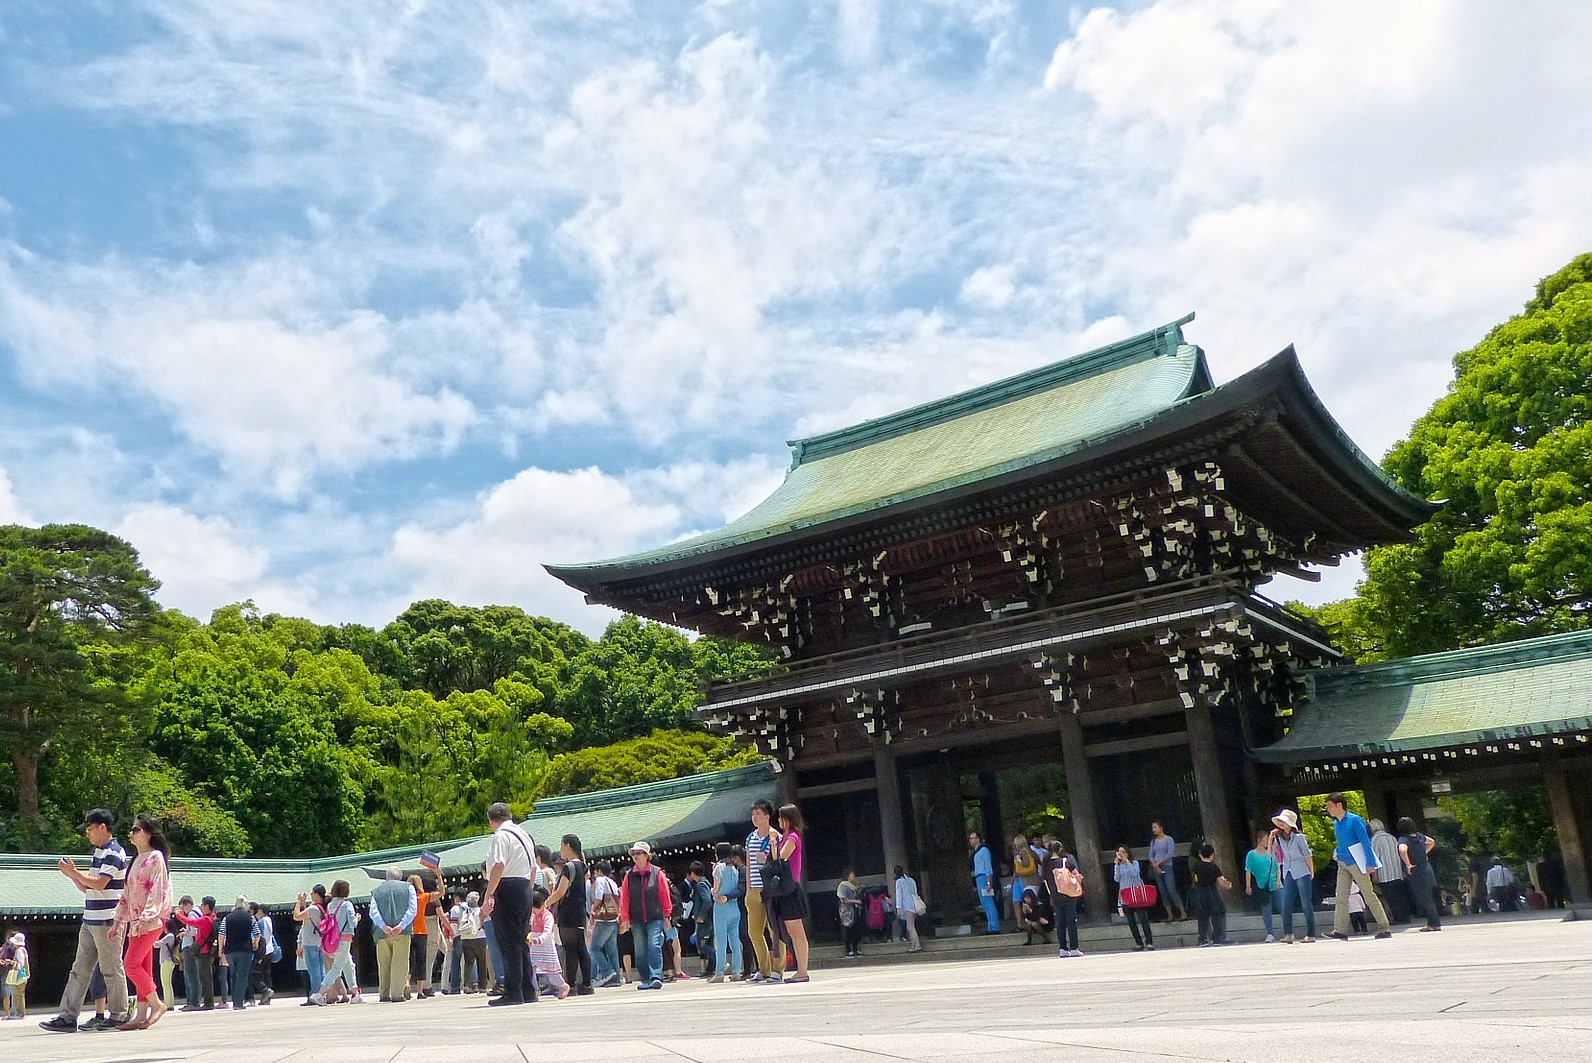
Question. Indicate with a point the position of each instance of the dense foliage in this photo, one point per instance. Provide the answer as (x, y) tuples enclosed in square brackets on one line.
[(658, 756), (277, 736), (1509, 450)]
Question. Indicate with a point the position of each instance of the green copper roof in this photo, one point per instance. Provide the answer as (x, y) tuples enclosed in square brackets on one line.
[(1526, 689), (712, 806), (1001, 427)]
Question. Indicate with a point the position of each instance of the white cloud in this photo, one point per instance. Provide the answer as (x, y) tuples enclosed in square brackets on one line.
[(206, 562), (1379, 185), (538, 516), (11, 511), (250, 361), (542, 516)]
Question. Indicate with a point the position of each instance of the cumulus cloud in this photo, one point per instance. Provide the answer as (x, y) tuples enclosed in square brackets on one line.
[(245, 360), (1378, 184), (206, 562), (496, 554), (649, 241), (11, 511)]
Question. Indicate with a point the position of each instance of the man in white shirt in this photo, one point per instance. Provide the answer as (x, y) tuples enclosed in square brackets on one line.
[(511, 868), (1501, 886)]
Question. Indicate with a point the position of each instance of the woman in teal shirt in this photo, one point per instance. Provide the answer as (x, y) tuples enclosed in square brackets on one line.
[(1260, 879)]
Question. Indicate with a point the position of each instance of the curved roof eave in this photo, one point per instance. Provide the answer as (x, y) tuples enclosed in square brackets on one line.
[(1279, 382)]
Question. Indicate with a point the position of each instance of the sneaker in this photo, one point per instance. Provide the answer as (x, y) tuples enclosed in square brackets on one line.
[(614, 981), (754, 978), (1149, 948), (102, 1022), (1078, 953), (1063, 955), (59, 1025), (319, 1000), (1308, 940), (1338, 936), (1384, 934), (774, 979), (1270, 938), (1287, 939), (715, 979)]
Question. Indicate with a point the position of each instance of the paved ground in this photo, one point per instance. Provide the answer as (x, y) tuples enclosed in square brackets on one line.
[(1487, 992)]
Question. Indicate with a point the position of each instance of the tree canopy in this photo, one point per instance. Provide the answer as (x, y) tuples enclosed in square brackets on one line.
[(276, 736), (664, 754), (1509, 450), (76, 609)]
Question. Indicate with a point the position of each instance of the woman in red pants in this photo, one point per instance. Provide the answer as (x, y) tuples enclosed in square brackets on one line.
[(141, 917)]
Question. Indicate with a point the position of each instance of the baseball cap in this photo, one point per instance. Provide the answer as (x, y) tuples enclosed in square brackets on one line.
[(102, 816)]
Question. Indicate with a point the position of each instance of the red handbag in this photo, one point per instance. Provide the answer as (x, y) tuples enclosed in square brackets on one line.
[(1137, 896)]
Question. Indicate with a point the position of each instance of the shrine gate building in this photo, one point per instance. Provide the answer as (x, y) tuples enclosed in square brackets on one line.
[(1029, 607)]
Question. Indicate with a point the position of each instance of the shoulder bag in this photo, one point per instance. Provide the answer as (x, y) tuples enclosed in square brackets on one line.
[(778, 880)]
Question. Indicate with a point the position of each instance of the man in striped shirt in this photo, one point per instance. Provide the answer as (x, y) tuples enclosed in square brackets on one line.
[(101, 886), (759, 844)]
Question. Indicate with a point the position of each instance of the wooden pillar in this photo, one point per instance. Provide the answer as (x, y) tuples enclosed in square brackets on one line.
[(1571, 848), (892, 828), (1081, 803), (1376, 803), (787, 786), (1216, 824)]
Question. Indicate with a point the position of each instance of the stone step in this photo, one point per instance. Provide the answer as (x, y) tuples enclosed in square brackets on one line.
[(1094, 936)]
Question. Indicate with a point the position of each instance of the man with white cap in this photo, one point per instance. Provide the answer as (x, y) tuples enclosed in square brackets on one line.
[(1297, 867), (645, 905)]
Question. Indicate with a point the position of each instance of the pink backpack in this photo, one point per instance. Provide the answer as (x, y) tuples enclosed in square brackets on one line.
[(331, 934)]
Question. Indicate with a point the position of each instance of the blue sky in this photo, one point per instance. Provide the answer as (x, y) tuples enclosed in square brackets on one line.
[(334, 305)]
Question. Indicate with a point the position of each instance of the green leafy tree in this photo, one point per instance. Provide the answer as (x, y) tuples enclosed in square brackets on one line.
[(440, 647), (1514, 824), (455, 756), (249, 722), (639, 676), (664, 754), (1510, 450), (76, 606)]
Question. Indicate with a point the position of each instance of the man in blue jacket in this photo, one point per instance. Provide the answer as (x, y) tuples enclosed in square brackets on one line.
[(1356, 861)]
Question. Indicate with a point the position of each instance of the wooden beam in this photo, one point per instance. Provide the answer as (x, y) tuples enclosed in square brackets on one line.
[(1136, 745), (835, 789), (1256, 469)]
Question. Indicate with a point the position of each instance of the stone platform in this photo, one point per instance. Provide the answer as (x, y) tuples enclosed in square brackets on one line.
[(1482, 991)]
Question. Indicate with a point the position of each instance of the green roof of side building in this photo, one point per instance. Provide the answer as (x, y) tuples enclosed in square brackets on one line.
[(1531, 689), (1010, 424), (677, 812)]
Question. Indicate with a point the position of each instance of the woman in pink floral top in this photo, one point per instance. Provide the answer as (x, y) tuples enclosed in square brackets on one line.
[(141, 916)]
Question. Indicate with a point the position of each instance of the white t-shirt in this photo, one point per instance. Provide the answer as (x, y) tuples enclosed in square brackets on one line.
[(513, 847)]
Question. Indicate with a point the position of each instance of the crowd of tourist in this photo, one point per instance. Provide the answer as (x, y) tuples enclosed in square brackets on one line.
[(557, 924)]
